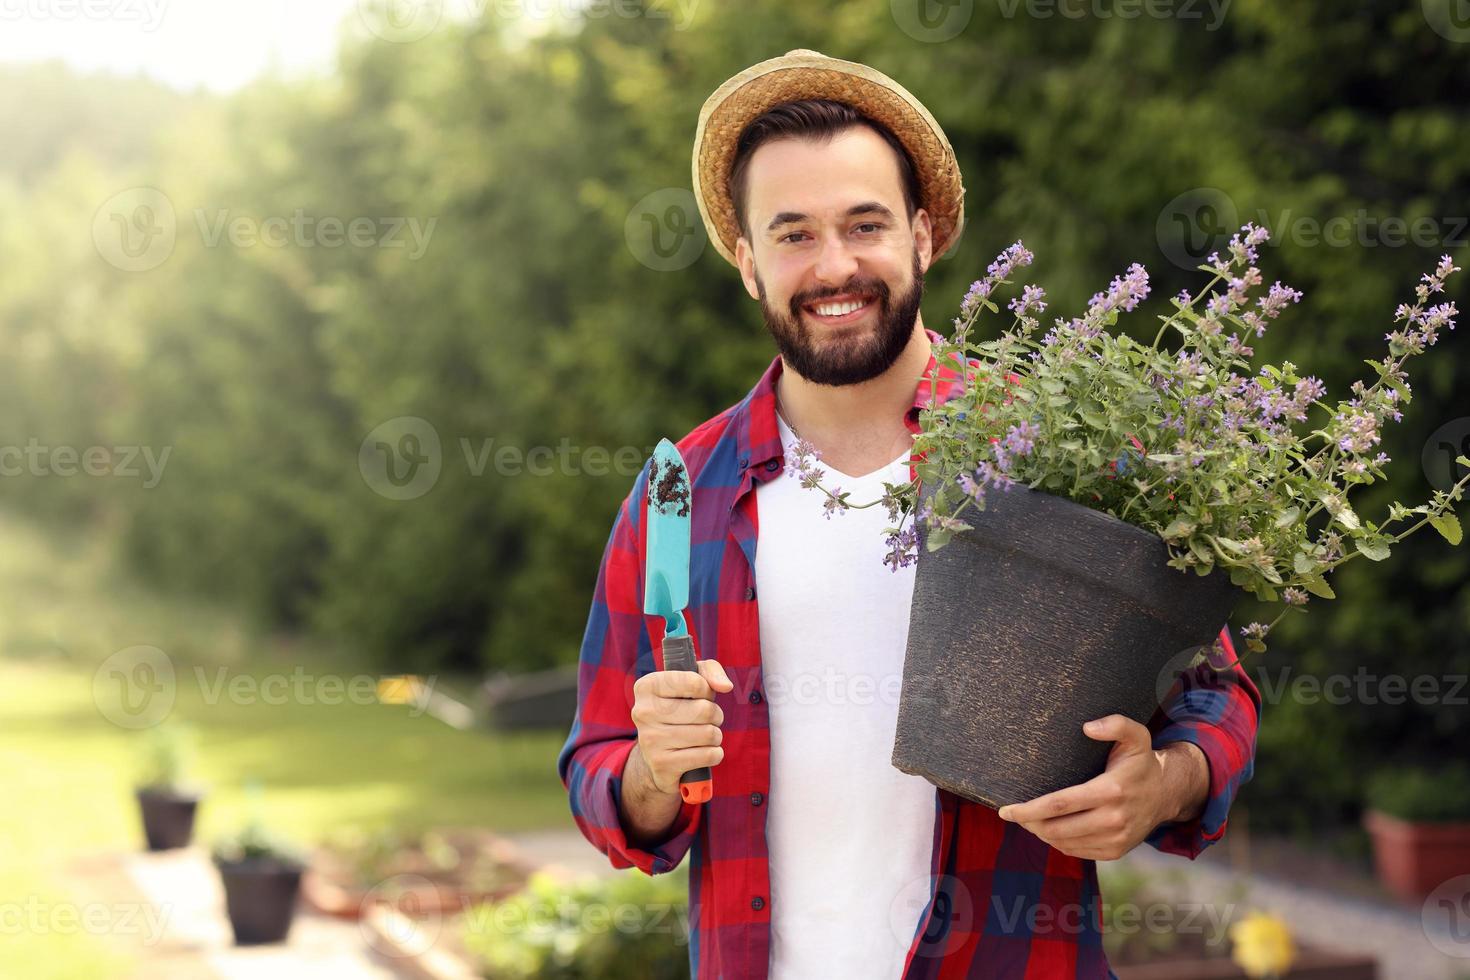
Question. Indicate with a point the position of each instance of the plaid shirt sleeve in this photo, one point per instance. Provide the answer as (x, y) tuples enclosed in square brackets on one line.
[(1218, 710), (616, 650)]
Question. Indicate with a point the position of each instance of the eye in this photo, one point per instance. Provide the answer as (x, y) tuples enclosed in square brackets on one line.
[(870, 224), (793, 234)]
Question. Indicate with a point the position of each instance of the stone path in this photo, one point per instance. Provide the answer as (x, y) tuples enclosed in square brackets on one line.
[(180, 931), (1393, 933)]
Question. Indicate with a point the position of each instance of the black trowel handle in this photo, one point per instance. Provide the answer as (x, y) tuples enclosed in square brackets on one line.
[(696, 785)]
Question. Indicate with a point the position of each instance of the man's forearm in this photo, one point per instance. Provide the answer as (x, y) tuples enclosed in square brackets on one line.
[(647, 812), (1187, 776)]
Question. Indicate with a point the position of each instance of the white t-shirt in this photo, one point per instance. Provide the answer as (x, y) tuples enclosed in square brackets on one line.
[(850, 837)]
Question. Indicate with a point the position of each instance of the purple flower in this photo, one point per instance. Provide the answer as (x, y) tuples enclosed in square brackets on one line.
[(1032, 299), (1014, 257), (903, 549)]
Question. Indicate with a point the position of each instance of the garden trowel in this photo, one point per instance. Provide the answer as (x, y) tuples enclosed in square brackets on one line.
[(666, 586)]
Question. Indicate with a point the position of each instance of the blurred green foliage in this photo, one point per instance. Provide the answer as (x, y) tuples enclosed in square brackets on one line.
[(529, 320), (1440, 794), (628, 926)]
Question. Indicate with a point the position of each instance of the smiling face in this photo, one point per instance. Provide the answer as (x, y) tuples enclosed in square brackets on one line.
[(832, 257)]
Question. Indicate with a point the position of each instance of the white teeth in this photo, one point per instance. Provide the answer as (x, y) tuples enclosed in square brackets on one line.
[(838, 309)]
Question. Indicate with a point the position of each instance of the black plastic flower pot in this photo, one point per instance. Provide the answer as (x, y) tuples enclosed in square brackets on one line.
[(260, 896), (1044, 616), (168, 817)]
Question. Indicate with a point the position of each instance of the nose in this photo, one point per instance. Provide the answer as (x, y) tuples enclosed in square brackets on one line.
[(836, 263)]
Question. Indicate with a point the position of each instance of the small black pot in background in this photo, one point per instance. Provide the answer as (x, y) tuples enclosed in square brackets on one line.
[(260, 896), (168, 817), (1045, 615)]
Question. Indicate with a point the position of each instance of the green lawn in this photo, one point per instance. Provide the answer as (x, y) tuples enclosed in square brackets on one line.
[(70, 769)]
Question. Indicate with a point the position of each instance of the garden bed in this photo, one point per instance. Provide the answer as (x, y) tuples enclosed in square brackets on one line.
[(430, 873)]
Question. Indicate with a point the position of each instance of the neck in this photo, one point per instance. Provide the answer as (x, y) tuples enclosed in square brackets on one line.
[(858, 412)]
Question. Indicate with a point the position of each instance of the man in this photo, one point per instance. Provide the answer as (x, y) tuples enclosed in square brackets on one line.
[(832, 191)]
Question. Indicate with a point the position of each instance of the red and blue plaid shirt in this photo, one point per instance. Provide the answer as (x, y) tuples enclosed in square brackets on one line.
[(1002, 903)]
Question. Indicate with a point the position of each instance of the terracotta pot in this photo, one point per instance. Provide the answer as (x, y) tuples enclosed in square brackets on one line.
[(1044, 616), (1413, 859), (168, 817)]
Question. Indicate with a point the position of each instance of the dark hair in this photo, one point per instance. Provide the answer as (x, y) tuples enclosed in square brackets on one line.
[(811, 119)]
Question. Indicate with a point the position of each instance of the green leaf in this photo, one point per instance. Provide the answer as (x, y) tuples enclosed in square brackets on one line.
[(1318, 586), (1178, 528), (1448, 525), (1288, 516), (1374, 549)]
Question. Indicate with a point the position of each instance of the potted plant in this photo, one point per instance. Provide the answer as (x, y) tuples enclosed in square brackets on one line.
[(1419, 822), (167, 802), (261, 875), (1074, 479)]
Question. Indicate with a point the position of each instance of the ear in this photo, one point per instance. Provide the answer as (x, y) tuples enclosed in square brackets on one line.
[(745, 260), (923, 230)]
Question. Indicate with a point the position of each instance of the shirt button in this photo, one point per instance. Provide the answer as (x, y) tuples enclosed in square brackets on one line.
[(773, 465), (755, 697), (749, 593), (744, 462), (757, 903), (756, 799)]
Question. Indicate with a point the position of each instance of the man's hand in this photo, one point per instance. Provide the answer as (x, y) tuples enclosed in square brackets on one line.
[(1109, 815), (678, 721)]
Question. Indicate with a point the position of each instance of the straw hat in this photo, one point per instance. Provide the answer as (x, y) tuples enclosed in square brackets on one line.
[(806, 74)]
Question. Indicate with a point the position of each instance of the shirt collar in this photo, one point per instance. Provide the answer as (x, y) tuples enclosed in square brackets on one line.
[(758, 440)]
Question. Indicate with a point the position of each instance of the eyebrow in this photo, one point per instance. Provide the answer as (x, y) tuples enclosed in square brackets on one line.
[(796, 217)]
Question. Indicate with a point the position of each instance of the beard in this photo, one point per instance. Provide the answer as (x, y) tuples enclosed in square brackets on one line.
[(845, 360)]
